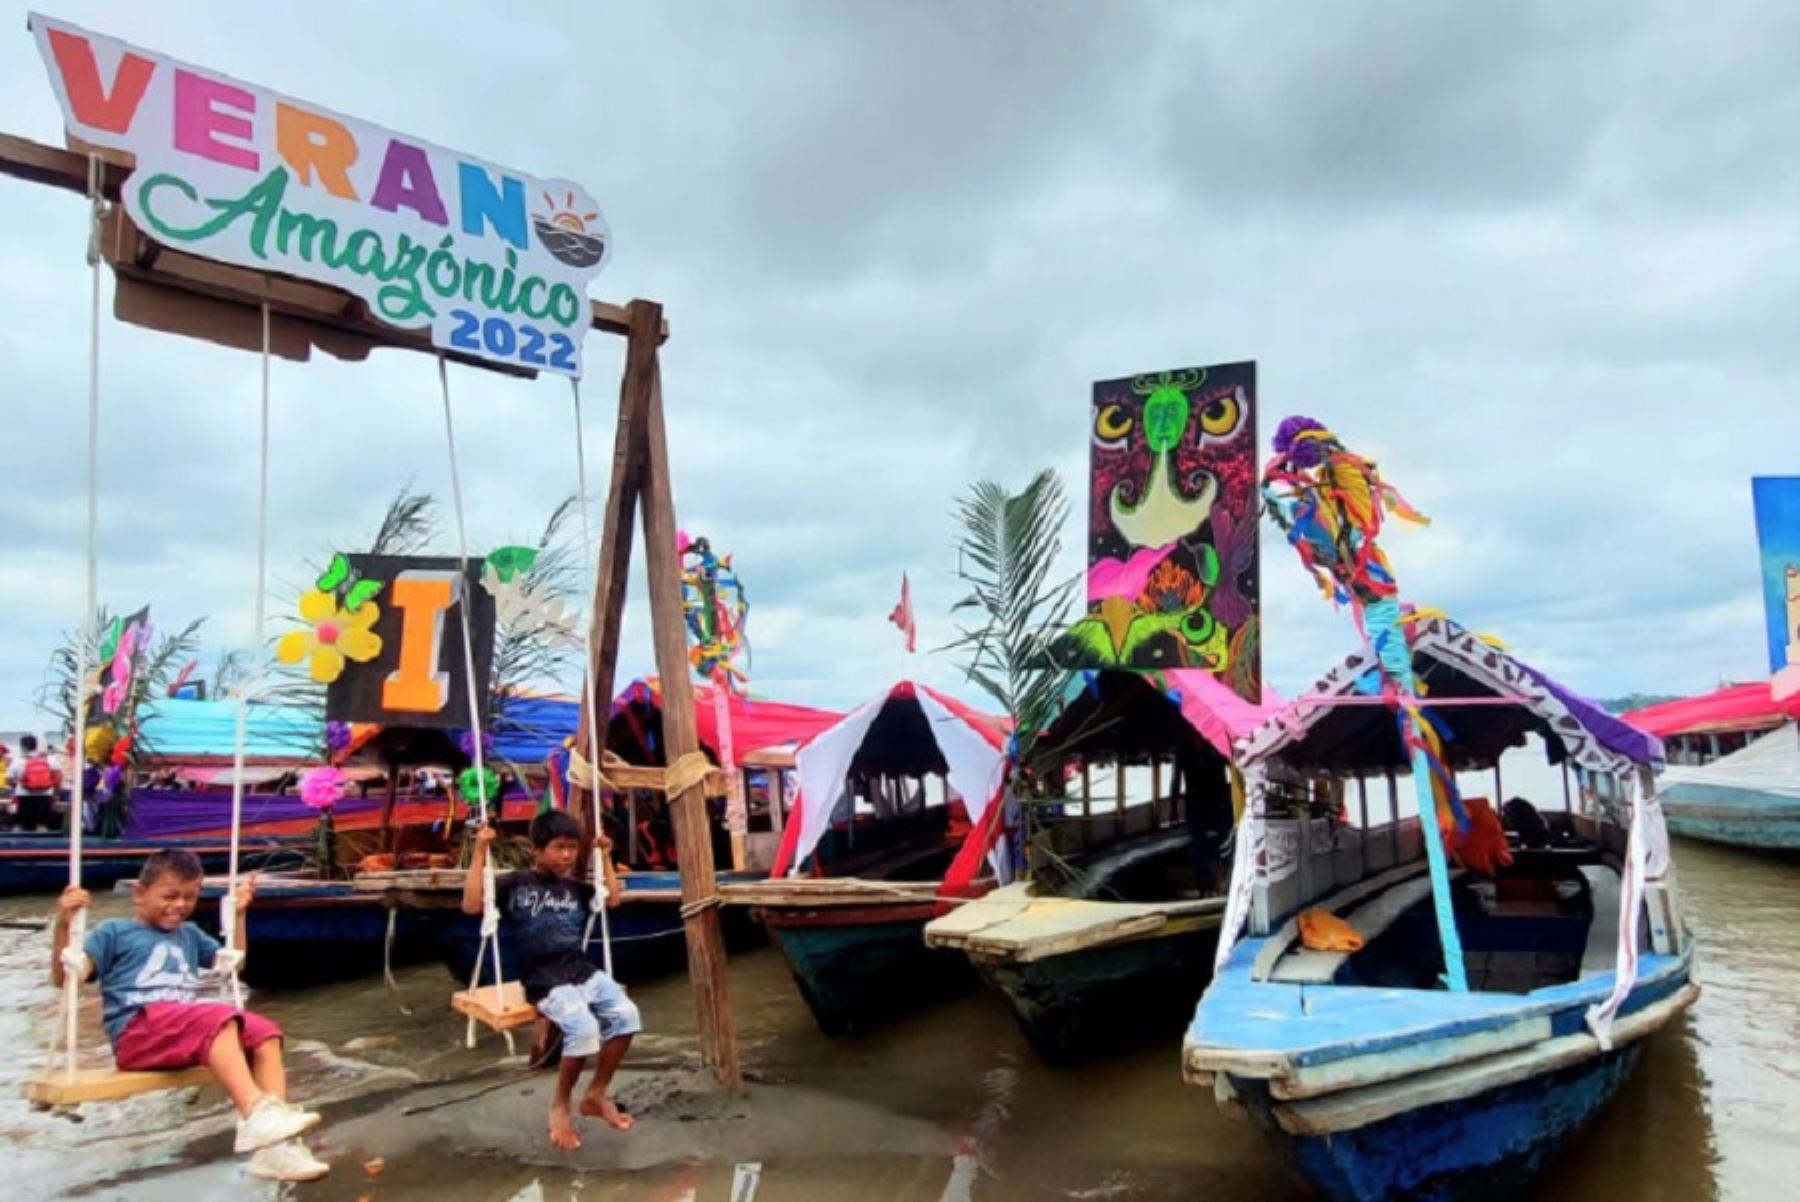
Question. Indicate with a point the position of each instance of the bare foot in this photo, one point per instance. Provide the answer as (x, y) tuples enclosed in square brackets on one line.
[(562, 1128), (608, 1112)]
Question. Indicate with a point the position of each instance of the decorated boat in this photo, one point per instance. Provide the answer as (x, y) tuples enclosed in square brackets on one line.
[(1429, 1014), (1111, 940), (867, 851), (1733, 774)]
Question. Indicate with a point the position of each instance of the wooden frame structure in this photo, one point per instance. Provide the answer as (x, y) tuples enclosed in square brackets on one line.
[(166, 289)]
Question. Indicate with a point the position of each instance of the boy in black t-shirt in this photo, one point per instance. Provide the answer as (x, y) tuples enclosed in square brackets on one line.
[(547, 908)]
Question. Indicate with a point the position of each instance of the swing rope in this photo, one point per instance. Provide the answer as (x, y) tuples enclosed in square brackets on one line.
[(83, 650), (598, 910), (490, 911), (231, 956)]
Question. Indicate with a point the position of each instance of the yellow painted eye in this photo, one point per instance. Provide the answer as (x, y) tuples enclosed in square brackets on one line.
[(1221, 416), (1112, 424)]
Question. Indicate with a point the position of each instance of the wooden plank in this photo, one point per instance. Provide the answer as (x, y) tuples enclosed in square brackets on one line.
[(1351, 1072), (1355, 1108), (55, 1088), (499, 1007), (831, 891), (955, 928), (693, 837)]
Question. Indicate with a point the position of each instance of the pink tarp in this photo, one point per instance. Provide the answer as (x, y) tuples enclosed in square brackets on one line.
[(1735, 707), (755, 724)]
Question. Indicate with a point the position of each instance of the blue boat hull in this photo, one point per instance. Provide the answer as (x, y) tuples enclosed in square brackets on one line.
[(647, 938), (324, 932), (1479, 1149)]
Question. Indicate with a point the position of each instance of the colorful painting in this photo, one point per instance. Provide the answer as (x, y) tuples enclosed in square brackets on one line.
[(494, 262), (391, 640), (1777, 501), (1172, 565)]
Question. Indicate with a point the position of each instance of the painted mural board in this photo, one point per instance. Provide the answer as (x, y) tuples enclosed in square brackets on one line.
[(1172, 516), (495, 262), (419, 677), (1777, 501)]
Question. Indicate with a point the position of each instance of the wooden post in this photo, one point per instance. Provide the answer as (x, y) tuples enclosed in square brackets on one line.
[(693, 839), (1156, 790), (1394, 814), (1087, 790), (1119, 790), (640, 475), (777, 796), (390, 833)]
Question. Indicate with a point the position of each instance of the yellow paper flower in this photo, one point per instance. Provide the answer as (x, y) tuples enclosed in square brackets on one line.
[(336, 635)]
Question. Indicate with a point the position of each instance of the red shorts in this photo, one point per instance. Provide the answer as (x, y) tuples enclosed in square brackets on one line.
[(166, 1035)]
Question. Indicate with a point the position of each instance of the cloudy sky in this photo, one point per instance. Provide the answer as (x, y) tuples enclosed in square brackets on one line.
[(1542, 260)]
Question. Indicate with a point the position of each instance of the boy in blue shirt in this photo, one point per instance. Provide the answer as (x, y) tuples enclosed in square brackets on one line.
[(548, 908), (148, 967)]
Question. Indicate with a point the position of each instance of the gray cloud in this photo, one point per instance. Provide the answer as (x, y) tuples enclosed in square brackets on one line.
[(1539, 259)]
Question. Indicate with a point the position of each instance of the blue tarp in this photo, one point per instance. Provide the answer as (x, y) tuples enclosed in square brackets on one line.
[(177, 728)]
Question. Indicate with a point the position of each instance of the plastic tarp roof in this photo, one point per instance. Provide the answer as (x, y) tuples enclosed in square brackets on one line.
[(1735, 707), (1770, 764), (177, 729), (970, 746)]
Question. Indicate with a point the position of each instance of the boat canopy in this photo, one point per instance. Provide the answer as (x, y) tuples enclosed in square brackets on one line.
[(909, 730), (1770, 764), (176, 731), (1738, 707), (757, 724), (1197, 698)]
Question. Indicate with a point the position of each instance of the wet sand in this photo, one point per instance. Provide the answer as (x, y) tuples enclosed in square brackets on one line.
[(949, 1106)]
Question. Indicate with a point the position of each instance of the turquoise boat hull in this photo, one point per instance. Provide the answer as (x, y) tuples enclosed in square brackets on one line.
[(859, 967), (1736, 817)]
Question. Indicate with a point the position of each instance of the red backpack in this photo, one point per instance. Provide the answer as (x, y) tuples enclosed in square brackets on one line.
[(39, 776)]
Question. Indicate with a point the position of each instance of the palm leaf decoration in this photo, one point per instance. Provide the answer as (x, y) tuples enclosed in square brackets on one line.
[(1017, 609)]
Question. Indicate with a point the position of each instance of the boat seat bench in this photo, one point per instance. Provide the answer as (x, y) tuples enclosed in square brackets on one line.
[(1305, 966)]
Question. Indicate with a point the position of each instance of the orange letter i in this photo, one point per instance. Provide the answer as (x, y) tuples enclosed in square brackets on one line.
[(416, 686)]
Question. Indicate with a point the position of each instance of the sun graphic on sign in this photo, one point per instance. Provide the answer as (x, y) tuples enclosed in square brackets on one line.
[(564, 232)]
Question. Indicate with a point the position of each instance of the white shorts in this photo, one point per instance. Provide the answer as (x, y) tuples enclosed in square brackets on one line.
[(591, 1013)]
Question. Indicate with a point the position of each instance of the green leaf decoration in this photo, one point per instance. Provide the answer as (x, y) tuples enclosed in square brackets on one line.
[(360, 594), (109, 645), (335, 575), (508, 562)]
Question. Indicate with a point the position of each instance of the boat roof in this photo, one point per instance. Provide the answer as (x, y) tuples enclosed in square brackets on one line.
[(1484, 697), (1137, 715), (1736, 707)]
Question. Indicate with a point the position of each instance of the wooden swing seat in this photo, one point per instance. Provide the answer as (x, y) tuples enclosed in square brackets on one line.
[(53, 1087), (499, 1007)]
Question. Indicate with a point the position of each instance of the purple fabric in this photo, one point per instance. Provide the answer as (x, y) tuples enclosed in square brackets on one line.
[(158, 814), (1615, 734)]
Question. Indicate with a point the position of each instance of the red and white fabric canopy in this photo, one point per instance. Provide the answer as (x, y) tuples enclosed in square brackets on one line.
[(973, 747)]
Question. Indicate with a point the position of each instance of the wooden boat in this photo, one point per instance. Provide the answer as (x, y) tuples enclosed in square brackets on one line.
[(853, 934), (1373, 1079), (1112, 941), (40, 863)]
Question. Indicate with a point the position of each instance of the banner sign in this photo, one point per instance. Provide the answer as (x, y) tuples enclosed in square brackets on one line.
[(1172, 511), (493, 261), (1777, 500), (419, 677)]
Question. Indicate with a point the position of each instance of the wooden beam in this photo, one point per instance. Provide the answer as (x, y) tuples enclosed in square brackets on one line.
[(693, 836), (613, 567)]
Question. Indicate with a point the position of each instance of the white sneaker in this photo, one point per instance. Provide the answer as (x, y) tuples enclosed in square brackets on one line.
[(290, 1161), (272, 1121)]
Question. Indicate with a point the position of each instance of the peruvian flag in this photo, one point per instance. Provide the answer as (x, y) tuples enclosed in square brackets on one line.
[(903, 615)]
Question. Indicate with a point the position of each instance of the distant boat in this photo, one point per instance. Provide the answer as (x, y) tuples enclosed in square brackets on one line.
[(1373, 1079), (1734, 767)]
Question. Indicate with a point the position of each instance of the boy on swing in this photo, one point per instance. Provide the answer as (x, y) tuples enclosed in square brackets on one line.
[(148, 967), (548, 910)]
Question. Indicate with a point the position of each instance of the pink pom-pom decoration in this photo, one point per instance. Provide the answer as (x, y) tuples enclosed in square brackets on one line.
[(323, 788)]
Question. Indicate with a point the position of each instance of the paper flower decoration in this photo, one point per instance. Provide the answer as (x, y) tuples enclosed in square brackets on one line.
[(336, 635), (469, 787), (525, 610), (323, 788), (337, 736), (467, 743)]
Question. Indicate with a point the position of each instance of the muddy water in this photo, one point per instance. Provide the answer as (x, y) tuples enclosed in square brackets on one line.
[(948, 1107)]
